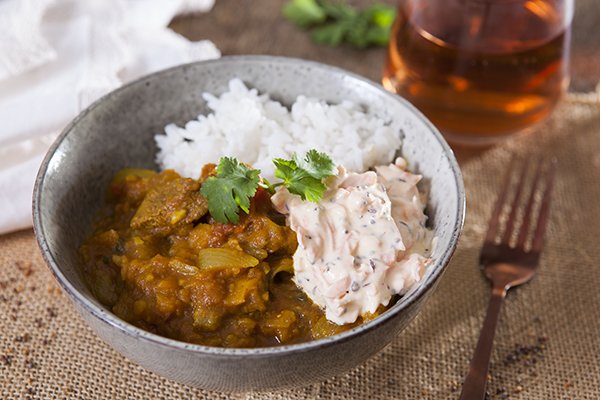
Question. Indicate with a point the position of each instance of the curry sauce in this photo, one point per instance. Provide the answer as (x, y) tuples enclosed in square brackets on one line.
[(158, 260)]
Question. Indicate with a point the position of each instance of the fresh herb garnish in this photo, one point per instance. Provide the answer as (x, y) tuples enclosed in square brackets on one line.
[(235, 183), (318, 165), (304, 13), (304, 176), (336, 22), (232, 188)]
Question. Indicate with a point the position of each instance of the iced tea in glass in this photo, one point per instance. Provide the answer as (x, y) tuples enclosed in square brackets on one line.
[(480, 69)]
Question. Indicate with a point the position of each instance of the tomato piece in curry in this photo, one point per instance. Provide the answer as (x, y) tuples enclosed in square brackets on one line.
[(160, 261)]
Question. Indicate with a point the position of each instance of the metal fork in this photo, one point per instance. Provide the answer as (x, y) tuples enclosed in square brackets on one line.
[(509, 257)]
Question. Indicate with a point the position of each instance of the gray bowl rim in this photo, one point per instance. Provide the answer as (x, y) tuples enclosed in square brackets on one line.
[(259, 352)]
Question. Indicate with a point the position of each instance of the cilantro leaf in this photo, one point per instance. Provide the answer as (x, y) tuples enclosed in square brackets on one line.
[(232, 188), (338, 10), (336, 22), (308, 188), (235, 183), (378, 35), (298, 180), (304, 176), (358, 35), (381, 19), (318, 165), (304, 13), (381, 15), (330, 35)]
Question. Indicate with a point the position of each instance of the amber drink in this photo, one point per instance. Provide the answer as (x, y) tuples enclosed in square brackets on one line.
[(480, 69)]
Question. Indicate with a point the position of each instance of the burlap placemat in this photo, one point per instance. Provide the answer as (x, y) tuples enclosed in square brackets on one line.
[(546, 346)]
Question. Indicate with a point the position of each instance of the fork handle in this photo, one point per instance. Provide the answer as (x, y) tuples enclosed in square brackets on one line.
[(475, 381)]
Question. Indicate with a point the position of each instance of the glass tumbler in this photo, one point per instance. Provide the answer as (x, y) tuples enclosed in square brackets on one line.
[(480, 69)]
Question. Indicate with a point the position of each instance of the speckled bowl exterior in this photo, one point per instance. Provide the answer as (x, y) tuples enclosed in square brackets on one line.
[(117, 132)]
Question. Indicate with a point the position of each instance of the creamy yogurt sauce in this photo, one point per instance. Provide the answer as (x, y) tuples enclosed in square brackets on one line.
[(365, 241)]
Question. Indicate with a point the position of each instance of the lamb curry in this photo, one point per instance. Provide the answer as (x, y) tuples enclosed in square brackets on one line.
[(159, 260)]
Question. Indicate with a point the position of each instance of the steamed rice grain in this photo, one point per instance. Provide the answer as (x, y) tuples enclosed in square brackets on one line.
[(255, 129)]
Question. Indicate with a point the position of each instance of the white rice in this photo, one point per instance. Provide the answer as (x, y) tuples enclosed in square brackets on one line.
[(255, 129)]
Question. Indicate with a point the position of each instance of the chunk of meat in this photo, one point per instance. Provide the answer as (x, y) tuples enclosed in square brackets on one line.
[(256, 235), (171, 201)]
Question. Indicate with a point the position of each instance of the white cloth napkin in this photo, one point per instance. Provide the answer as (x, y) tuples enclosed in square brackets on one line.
[(58, 56)]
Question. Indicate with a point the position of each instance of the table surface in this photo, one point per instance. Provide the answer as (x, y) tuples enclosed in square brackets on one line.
[(547, 341)]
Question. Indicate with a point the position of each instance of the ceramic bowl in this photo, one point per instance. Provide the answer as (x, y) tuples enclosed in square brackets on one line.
[(117, 132)]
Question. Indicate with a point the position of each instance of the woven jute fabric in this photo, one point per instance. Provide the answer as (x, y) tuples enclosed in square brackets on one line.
[(547, 344)]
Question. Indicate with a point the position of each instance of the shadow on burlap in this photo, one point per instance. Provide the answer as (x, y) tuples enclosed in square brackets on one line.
[(546, 344)]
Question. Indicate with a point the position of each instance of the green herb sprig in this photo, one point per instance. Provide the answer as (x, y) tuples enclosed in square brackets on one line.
[(235, 183), (335, 22)]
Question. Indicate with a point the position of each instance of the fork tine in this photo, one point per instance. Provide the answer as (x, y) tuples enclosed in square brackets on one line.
[(538, 237), (494, 221), (524, 230), (510, 223)]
